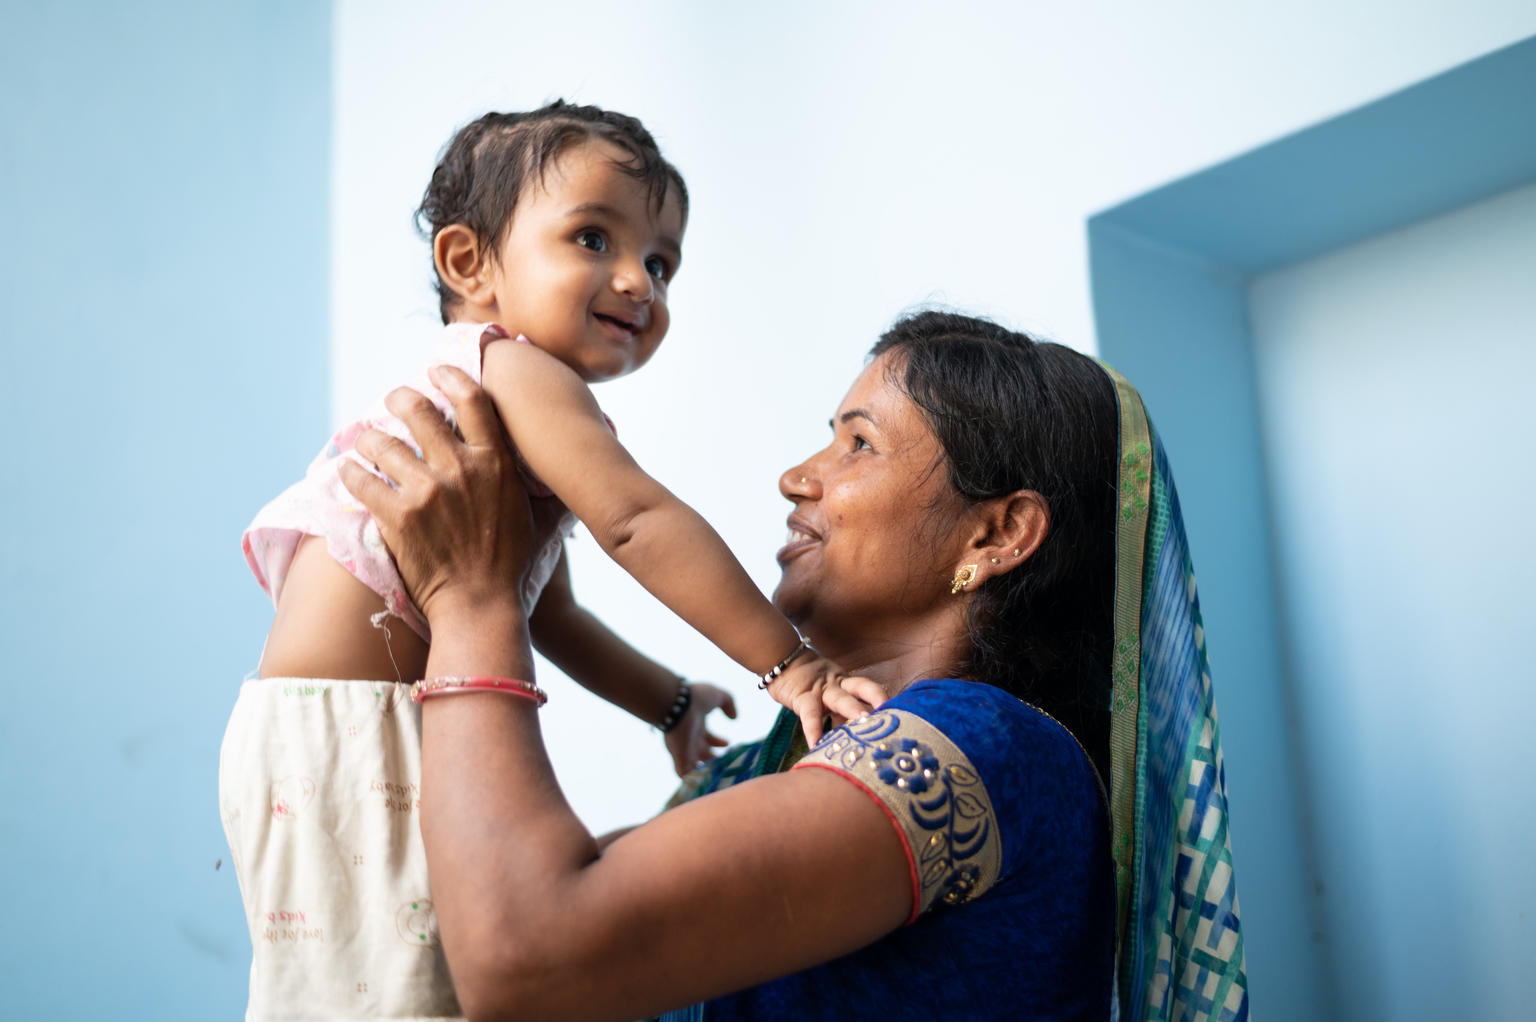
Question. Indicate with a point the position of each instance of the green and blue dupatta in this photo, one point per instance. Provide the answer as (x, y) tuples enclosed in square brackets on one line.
[(1179, 944)]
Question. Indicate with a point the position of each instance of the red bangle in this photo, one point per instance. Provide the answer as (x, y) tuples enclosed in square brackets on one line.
[(507, 686)]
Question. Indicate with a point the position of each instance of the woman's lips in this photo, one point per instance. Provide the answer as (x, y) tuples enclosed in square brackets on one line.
[(801, 537)]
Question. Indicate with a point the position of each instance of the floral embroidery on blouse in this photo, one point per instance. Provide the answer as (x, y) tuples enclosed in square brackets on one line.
[(931, 792)]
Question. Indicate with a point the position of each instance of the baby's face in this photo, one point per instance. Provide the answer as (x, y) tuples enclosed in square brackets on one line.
[(584, 267)]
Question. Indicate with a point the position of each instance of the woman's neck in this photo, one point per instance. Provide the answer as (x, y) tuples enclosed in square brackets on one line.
[(897, 659)]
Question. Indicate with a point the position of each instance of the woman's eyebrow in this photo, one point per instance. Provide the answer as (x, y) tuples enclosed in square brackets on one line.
[(855, 413)]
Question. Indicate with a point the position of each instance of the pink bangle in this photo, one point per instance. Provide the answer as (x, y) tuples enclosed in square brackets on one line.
[(507, 686)]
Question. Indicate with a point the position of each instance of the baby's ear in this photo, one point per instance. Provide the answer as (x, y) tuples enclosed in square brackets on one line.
[(463, 264)]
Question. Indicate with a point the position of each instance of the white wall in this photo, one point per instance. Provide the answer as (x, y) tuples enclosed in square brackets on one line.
[(1395, 382), (843, 164)]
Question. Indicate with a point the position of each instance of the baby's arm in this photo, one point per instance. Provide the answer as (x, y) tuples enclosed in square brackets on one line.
[(557, 427), (583, 647)]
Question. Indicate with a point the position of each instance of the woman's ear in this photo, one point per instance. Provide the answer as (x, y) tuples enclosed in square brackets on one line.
[(1015, 526), (463, 264)]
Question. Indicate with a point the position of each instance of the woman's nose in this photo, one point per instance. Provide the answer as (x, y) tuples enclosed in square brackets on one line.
[(799, 483)]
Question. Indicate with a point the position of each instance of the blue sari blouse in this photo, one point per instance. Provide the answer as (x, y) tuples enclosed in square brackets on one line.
[(1007, 836)]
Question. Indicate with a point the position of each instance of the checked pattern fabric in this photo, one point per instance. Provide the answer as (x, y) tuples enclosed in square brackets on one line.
[(1180, 953)]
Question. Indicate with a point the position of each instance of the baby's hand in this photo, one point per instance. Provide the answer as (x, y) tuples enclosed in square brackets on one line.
[(690, 742), (806, 686), (852, 697)]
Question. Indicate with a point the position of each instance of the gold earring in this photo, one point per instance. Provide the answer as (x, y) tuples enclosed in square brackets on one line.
[(996, 561), (1015, 553), (963, 577)]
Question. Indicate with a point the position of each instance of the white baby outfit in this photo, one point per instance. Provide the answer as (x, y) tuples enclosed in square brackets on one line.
[(320, 787), (319, 780), (319, 505)]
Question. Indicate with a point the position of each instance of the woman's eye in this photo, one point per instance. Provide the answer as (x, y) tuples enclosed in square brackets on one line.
[(593, 240), (656, 267), (860, 444)]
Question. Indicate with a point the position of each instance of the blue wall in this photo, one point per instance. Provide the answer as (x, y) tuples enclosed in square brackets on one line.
[(164, 173), (1171, 281), (1394, 384)]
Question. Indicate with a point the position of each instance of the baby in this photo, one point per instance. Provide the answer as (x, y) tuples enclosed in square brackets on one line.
[(555, 236)]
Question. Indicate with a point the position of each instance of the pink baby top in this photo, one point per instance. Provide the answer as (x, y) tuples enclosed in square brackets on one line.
[(319, 505)]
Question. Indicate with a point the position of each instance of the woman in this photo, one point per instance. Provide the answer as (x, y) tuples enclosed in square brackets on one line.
[(991, 538)]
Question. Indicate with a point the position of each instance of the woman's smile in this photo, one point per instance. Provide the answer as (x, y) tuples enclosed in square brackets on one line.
[(801, 538), (867, 505)]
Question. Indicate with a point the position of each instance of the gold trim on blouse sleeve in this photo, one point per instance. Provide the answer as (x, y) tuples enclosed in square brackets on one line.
[(930, 792)]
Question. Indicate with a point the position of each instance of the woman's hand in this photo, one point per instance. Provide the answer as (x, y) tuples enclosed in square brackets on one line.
[(457, 521)]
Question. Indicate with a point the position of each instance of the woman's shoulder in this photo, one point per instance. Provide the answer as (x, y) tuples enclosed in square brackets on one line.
[(973, 777), (993, 727), (1035, 770), (1007, 845)]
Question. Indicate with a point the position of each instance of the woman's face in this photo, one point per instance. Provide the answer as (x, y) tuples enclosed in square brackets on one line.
[(873, 539)]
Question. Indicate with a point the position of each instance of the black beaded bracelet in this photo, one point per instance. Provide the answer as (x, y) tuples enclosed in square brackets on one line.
[(679, 709), (783, 665)]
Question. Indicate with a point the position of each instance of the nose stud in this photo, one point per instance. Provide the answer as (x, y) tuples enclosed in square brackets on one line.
[(802, 479)]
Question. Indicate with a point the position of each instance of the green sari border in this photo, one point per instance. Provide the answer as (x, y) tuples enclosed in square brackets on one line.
[(1125, 726)]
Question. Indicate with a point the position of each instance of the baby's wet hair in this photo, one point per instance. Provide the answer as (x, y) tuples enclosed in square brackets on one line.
[(486, 165)]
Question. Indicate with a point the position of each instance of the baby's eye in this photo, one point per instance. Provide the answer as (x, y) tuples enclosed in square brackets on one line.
[(593, 240), (656, 267)]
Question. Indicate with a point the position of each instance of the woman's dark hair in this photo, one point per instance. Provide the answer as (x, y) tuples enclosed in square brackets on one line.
[(1014, 414), (488, 162)]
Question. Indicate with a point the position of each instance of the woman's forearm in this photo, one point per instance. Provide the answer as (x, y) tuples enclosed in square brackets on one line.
[(756, 882), (499, 835)]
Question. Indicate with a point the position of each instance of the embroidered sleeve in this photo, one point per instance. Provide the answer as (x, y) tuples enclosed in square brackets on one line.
[(932, 795)]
